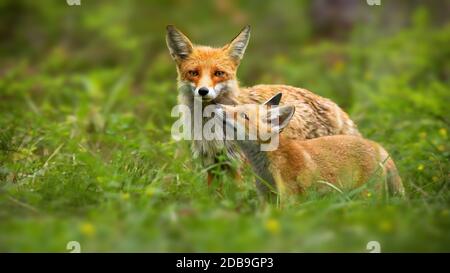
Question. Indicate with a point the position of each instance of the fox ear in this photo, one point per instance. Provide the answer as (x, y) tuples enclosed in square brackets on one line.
[(275, 100), (284, 114), (236, 48), (179, 45)]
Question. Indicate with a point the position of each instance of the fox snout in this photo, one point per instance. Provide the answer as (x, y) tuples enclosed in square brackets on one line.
[(208, 92), (205, 92)]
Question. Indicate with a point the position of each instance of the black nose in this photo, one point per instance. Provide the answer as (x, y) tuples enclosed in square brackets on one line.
[(203, 91)]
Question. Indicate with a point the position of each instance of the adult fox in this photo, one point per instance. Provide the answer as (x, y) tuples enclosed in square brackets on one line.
[(207, 75)]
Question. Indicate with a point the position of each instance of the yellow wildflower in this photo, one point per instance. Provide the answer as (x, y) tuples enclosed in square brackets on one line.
[(87, 229), (150, 191), (385, 226), (273, 226), (125, 196), (338, 66), (420, 167)]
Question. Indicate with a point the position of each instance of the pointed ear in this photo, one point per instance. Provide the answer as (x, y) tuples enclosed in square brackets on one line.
[(179, 45), (236, 48), (284, 114), (274, 101)]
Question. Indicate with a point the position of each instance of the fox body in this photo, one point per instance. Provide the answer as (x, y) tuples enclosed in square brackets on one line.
[(207, 75), (343, 161)]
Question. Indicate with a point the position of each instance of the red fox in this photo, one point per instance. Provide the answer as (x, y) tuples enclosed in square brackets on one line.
[(339, 162), (207, 75)]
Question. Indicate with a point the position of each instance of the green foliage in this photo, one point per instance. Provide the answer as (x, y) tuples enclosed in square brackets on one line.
[(86, 152)]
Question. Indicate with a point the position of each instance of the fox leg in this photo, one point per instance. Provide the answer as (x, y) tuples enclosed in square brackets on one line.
[(238, 176), (210, 178), (239, 169), (227, 167), (208, 162)]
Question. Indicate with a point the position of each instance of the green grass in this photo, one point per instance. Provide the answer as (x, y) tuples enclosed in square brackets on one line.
[(86, 153)]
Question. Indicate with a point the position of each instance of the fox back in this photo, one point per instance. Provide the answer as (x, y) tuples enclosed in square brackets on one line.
[(346, 162)]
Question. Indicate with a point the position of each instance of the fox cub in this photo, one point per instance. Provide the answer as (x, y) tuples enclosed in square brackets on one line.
[(341, 161), (207, 75)]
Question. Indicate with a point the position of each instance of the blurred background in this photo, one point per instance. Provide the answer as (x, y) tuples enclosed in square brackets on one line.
[(85, 149)]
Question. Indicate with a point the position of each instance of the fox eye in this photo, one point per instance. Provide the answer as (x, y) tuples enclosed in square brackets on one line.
[(244, 115), (193, 73), (219, 73)]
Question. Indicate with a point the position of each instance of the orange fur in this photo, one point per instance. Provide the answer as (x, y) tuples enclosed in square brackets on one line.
[(206, 61), (344, 161)]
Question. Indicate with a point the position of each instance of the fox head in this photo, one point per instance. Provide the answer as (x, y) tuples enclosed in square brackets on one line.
[(256, 122), (206, 72)]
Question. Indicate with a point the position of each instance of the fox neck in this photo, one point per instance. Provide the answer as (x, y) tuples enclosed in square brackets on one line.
[(260, 164), (207, 150)]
